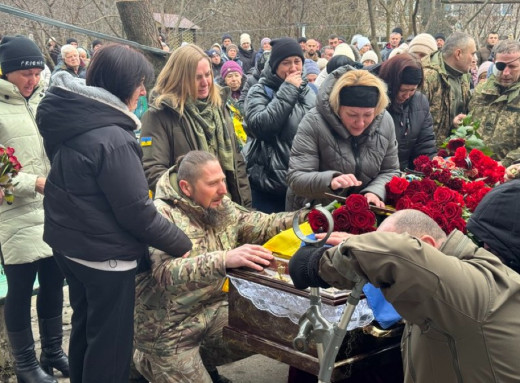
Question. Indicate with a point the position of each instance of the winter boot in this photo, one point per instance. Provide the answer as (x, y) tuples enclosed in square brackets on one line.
[(26, 366), (52, 356)]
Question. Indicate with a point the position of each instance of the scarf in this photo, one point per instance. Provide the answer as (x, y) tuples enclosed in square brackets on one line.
[(211, 135)]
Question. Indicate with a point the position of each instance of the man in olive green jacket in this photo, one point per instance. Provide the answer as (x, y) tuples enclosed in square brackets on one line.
[(460, 302), (447, 82), (496, 104), (180, 306)]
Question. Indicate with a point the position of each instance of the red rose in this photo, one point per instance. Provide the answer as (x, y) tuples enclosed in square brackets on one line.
[(397, 185), (404, 203), (443, 153), (318, 221), (420, 198), (363, 220), (413, 187), (455, 144), (457, 223), (428, 186), (443, 195), (356, 203), (452, 210), (341, 218)]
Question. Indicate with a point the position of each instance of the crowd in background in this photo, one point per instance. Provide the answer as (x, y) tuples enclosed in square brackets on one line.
[(283, 124)]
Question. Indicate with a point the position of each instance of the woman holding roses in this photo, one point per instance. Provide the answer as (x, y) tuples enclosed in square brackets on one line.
[(346, 144)]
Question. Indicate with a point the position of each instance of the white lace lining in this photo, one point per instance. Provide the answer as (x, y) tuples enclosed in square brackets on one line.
[(283, 304)]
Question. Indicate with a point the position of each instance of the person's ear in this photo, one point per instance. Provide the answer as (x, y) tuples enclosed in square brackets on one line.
[(185, 187), (429, 240)]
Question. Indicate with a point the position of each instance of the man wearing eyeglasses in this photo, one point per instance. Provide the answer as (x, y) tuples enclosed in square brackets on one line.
[(496, 103)]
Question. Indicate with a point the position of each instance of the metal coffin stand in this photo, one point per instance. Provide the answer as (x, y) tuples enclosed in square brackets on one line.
[(366, 353)]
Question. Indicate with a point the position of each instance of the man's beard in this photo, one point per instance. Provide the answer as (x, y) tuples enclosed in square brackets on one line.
[(212, 216)]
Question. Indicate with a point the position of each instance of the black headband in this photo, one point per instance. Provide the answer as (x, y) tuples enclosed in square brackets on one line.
[(359, 96), (411, 76)]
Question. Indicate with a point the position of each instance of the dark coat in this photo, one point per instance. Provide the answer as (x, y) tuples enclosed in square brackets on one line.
[(273, 111), (97, 206), (323, 149), (171, 136), (247, 58), (413, 130)]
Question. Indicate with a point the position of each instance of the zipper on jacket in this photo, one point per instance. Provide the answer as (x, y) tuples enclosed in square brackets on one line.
[(355, 150)]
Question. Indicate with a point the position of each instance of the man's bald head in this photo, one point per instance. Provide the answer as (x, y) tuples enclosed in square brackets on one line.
[(415, 223)]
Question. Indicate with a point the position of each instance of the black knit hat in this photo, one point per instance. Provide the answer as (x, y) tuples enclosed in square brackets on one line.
[(398, 30), (71, 40), (440, 36), (19, 53), (281, 49)]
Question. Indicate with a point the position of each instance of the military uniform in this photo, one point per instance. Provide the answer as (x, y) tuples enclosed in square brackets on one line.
[(180, 307), (498, 110), (448, 93)]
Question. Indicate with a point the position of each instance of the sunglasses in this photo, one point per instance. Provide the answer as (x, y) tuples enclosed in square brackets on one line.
[(502, 65)]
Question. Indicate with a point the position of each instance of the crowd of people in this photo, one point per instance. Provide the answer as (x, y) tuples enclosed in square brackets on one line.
[(233, 141)]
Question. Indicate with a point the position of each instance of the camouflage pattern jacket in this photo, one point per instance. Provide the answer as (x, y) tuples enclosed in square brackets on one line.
[(177, 291), (498, 111), (437, 89)]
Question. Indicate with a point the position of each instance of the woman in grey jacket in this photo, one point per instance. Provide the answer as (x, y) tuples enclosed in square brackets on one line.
[(346, 144)]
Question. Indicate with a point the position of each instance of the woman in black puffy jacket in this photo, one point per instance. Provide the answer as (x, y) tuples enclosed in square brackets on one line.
[(274, 108), (409, 108)]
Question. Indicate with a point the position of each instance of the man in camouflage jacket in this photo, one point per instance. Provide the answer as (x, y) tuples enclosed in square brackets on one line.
[(180, 306), (447, 82), (496, 104)]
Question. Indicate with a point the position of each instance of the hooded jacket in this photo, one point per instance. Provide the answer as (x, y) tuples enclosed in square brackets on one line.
[(413, 129), (247, 57), (96, 202), (323, 149), (187, 291), (170, 136), (273, 110), (21, 224), (460, 304), (495, 222)]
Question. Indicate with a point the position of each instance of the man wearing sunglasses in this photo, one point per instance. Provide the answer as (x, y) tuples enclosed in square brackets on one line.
[(496, 103)]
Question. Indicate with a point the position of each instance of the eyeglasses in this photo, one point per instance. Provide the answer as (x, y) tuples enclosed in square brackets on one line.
[(502, 65)]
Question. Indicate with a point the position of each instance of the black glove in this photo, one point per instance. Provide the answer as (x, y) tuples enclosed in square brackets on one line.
[(304, 266)]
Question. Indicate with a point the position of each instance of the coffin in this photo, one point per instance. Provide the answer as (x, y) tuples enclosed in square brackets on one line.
[(264, 309)]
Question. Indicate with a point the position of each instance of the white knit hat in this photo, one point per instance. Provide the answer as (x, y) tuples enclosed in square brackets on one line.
[(245, 38), (423, 43), (369, 55), (345, 50)]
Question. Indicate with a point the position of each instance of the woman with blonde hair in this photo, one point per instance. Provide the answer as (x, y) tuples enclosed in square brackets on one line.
[(346, 144), (188, 112)]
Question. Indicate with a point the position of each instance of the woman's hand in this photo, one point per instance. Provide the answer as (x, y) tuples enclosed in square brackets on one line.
[(374, 200), (1, 195), (336, 237), (344, 181)]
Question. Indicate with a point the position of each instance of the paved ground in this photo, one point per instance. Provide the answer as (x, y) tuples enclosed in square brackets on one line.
[(255, 369)]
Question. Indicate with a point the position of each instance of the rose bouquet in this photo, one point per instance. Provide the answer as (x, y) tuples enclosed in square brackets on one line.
[(353, 217), (9, 168), (446, 190)]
